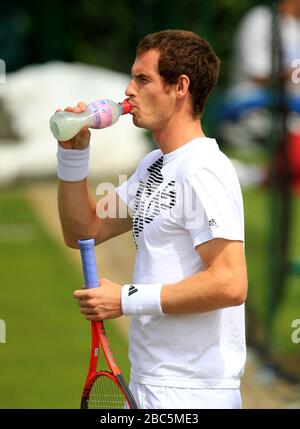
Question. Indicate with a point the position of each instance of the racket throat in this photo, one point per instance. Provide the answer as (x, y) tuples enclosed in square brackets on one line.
[(107, 352), (131, 401)]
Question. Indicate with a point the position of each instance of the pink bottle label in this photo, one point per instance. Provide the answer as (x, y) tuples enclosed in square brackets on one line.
[(102, 114)]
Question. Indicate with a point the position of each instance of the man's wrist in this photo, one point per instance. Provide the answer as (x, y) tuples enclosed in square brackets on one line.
[(141, 299), (72, 164)]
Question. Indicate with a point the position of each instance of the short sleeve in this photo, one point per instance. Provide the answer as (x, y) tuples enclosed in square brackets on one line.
[(212, 207)]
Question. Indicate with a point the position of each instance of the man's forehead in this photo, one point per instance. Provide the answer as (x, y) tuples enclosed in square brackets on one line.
[(146, 62)]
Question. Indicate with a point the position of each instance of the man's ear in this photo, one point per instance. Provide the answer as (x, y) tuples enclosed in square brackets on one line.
[(183, 84)]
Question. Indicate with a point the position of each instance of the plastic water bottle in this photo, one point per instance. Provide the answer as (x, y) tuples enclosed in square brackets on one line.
[(99, 114)]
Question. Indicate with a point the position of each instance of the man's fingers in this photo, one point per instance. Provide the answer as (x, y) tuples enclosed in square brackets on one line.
[(83, 303), (81, 293), (83, 135), (75, 109), (92, 318), (87, 310), (82, 106)]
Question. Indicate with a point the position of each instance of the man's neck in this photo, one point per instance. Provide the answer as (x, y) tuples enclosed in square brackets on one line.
[(177, 133)]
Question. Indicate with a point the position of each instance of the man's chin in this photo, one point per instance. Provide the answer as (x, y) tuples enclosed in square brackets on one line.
[(138, 123)]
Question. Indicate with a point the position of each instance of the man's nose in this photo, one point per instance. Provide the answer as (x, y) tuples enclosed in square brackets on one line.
[(130, 90)]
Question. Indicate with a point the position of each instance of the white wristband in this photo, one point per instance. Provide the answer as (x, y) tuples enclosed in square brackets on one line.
[(72, 164), (141, 299)]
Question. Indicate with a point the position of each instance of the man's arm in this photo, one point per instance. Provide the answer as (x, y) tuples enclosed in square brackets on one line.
[(78, 210), (222, 284), (79, 218)]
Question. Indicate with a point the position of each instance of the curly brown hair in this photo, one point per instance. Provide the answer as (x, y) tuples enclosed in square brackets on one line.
[(184, 52)]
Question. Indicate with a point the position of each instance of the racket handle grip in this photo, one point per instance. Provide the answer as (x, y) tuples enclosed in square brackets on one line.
[(87, 251)]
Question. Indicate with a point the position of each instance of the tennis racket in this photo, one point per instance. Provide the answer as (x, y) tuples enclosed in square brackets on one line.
[(105, 388)]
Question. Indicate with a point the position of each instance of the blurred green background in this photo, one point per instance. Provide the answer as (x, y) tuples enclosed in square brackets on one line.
[(106, 33), (44, 360)]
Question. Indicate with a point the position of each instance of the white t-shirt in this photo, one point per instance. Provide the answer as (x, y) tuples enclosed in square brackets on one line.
[(180, 200)]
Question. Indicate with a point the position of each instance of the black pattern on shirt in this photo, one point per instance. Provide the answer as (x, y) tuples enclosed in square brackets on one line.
[(150, 201)]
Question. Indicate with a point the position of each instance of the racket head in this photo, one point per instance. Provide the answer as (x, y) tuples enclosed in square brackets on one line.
[(107, 391)]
